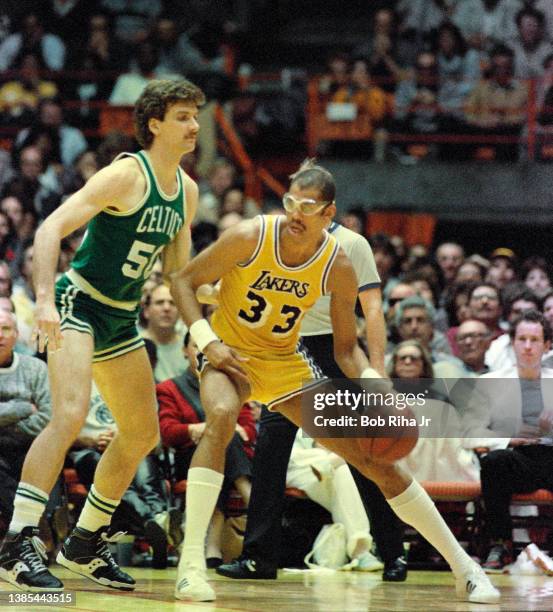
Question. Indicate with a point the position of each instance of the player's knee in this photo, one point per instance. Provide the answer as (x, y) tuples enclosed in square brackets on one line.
[(222, 418), (68, 425)]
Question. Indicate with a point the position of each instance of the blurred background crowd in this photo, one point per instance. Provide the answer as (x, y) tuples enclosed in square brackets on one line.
[(402, 82)]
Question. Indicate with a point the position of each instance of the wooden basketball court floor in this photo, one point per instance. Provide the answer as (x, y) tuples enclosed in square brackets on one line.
[(329, 592)]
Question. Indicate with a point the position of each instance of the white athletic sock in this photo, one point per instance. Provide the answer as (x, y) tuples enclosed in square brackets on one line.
[(97, 511), (202, 490), (415, 508), (28, 506)]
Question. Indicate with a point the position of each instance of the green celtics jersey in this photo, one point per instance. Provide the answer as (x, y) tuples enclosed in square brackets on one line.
[(119, 249)]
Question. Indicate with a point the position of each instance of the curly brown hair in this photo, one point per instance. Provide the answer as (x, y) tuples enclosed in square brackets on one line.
[(156, 98)]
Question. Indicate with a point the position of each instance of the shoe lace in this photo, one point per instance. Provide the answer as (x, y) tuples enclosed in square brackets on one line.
[(33, 552), (102, 549)]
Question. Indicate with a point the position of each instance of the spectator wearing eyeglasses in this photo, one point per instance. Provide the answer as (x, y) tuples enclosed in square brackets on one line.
[(440, 456), (410, 360), (485, 305), (473, 340)]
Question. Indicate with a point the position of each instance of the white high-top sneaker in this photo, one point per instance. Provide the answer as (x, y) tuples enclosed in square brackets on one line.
[(192, 584), (476, 587)]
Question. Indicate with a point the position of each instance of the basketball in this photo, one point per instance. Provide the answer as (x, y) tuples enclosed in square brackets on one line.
[(397, 441)]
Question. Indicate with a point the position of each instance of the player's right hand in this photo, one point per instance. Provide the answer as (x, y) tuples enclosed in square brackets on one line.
[(224, 358), (47, 327)]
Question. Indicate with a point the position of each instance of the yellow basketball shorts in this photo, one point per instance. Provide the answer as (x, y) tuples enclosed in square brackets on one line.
[(275, 379)]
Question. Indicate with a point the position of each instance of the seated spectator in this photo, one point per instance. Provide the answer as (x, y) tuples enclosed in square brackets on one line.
[(420, 18), (521, 414), (545, 7), (417, 99), (530, 46), (536, 275), (144, 509), (326, 479), (234, 200), (6, 303), (472, 341), (497, 105), (178, 54), (111, 146), (24, 409), (182, 424), (414, 321), (24, 223), (470, 272), (547, 307), (71, 139), (98, 52), (19, 99), (383, 52), (336, 74), (32, 38), (422, 284), (501, 352), (8, 239), (75, 177), (503, 268), (161, 316), (68, 18), (485, 305), (132, 21), (455, 310), (410, 360), (30, 184), (6, 283), (449, 257), (220, 178), (370, 100), (486, 23), (439, 454), (386, 259), (129, 85), (393, 297), (458, 68)]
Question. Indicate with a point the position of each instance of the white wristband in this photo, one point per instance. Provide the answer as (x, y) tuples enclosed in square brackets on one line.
[(370, 373), (202, 334)]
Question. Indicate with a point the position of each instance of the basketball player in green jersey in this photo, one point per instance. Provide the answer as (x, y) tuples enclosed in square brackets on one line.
[(138, 208)]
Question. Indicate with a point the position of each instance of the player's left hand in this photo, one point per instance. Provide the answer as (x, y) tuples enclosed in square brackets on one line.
[(224, 358), (47, 331)]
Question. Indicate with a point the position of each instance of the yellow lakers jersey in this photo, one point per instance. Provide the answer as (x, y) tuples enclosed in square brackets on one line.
[(262, 301)]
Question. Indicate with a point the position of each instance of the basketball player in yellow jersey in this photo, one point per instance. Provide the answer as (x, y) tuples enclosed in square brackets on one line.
[(272, 270)]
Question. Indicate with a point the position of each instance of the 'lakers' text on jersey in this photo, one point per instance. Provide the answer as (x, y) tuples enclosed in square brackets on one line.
[(120, 249), (262, 301)]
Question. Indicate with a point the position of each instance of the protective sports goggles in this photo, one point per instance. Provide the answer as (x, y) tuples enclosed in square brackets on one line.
[(306, 206)]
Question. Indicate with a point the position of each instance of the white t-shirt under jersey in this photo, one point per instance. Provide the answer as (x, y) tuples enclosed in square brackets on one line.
[(317, 320)]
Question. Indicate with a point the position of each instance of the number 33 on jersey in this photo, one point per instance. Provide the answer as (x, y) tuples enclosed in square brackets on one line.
[(262, 301)]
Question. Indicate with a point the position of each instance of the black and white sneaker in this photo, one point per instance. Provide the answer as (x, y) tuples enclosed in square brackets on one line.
[(22, 562), (87, 553)]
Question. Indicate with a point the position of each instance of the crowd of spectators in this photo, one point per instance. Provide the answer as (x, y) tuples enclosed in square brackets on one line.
[(429, 66), (459, 69)]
